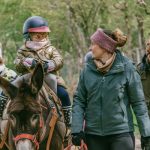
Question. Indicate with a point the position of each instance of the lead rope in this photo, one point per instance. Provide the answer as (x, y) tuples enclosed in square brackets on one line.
[(82, 147)]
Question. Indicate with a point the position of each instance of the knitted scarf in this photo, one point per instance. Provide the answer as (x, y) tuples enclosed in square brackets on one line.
[(37, 45), (104, 67)]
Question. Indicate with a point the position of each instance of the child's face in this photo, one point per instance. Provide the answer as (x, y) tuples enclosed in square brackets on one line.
[(38, 36)]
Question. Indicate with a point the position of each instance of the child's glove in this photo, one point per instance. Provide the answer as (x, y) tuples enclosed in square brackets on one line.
[(49, 66), (29, 62)]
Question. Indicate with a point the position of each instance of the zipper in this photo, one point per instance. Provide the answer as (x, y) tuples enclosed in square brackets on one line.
[(101, 104)]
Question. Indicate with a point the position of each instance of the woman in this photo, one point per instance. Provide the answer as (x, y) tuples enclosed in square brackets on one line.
[(109, 84), (144, 70)]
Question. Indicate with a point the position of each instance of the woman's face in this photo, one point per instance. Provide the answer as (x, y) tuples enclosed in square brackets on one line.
[(38, 36), (97, 51)]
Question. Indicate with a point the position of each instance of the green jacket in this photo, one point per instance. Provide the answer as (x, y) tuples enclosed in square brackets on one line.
[(144, 70), (104, 100)]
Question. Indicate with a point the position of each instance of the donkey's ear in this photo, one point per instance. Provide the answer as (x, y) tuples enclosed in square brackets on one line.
[(37, 79), (8, 88)]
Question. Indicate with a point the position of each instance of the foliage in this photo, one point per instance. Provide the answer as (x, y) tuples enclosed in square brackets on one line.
[(72, 22)]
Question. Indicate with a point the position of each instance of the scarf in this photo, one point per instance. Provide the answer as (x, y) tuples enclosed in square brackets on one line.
[(104, 67), (37, 45)]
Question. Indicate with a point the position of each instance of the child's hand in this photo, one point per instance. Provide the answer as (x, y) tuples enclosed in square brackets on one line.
[(29, 62), (49, 66)]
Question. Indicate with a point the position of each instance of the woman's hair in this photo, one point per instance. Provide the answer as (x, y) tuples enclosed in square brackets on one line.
[(117, 35)]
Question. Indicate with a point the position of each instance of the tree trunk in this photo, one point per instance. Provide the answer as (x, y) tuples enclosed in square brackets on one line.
[(141, 39), (77, 37)]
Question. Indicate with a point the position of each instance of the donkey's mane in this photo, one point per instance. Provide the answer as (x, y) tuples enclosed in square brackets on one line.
[(25, 100)]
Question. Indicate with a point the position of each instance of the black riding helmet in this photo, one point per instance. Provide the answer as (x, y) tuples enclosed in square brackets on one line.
[(35, 24)]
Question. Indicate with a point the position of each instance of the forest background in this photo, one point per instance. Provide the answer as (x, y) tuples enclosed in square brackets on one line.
[(71, 23)]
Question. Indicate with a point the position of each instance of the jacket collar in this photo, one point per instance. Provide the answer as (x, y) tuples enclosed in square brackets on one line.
[(117, 67)]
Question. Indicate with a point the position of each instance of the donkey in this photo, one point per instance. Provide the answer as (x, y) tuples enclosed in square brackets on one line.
[(30, 117)]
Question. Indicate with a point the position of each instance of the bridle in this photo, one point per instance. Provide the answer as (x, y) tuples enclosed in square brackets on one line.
[(37, 138), (32, 138)]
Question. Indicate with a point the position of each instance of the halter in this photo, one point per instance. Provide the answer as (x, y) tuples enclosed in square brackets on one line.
[(32, 138), (51, 124)]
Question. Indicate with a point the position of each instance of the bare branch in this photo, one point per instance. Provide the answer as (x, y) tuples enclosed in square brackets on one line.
[(146, 10), (143, 4)]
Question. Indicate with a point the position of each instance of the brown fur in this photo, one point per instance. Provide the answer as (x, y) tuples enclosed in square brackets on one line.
[(25, 102)]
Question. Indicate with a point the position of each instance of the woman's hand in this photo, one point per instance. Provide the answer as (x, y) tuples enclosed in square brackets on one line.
[(77, 138)]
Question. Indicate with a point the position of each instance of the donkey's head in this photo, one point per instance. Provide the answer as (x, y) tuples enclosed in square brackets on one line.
[(24, 110)]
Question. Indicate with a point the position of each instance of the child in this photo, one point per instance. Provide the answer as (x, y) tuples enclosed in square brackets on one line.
[(37, 48)]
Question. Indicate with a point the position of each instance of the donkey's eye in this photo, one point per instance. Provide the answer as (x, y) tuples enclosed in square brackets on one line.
[(35, 117), (34, 120)]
